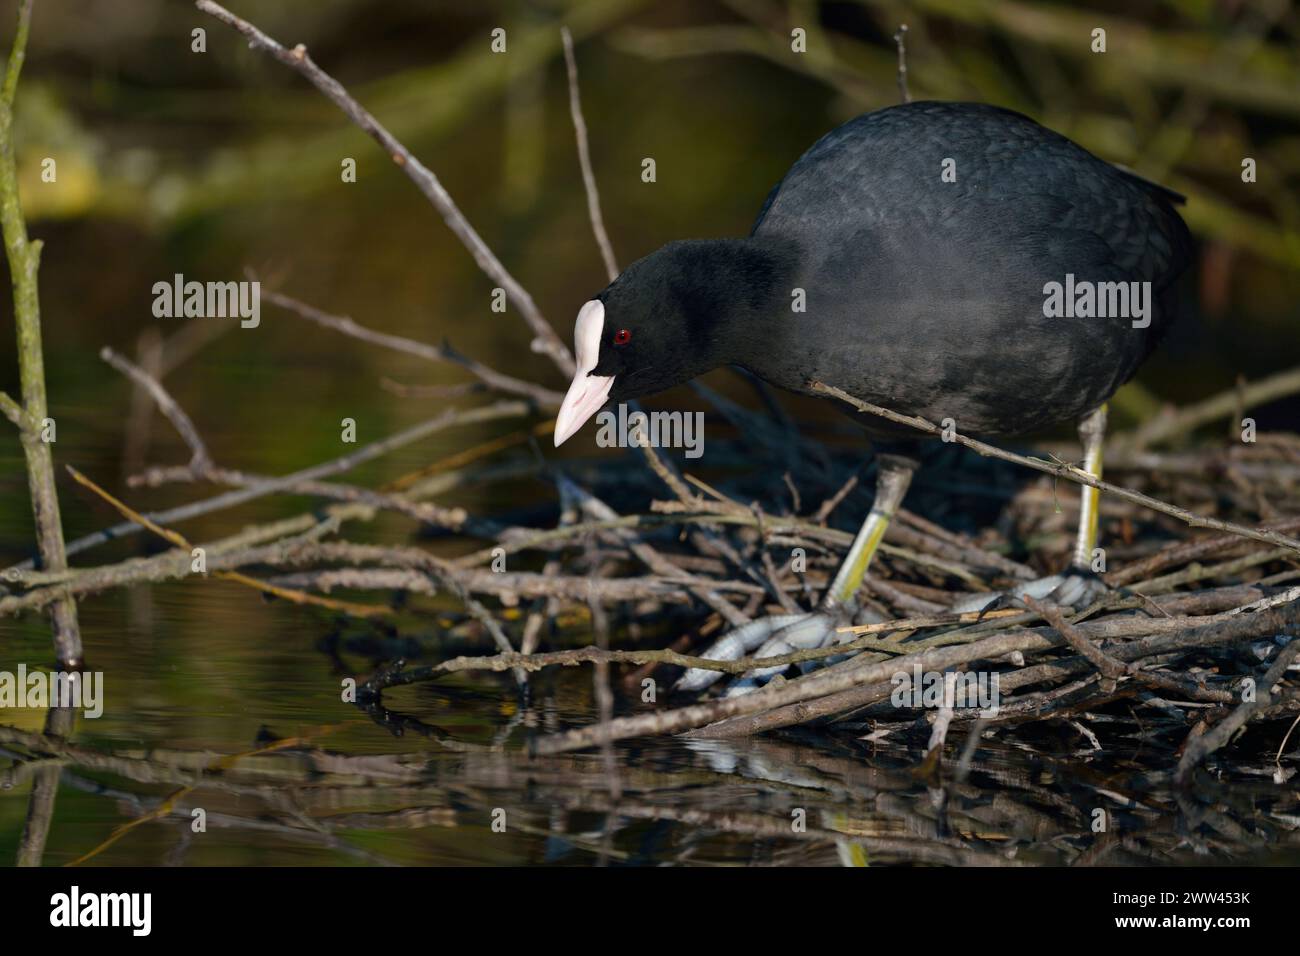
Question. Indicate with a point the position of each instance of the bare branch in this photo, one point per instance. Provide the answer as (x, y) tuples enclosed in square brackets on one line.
[(584, 160), (1198, 748), (900, 36), (179, 541), (1063, 470), (545, 340), (833, 681), (13, 411), (1163, 427), (24, 262), (200, 461), (544, 397), (1095, 656), (18, 55), (448, 419)]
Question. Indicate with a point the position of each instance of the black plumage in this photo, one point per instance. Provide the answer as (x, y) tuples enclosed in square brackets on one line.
[(920, 294)]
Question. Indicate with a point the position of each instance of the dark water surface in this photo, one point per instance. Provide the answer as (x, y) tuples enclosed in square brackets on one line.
[(423, 781)]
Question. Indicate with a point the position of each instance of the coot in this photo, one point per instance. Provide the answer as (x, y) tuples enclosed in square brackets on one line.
[(948, 260)]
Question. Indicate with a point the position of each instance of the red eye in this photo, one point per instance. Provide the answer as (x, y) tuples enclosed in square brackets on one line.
[(622, 337)]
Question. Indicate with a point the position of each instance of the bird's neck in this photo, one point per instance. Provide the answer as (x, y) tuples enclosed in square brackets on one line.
[(738, 290)]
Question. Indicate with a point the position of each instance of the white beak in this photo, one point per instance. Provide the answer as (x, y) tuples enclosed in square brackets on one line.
[(586, 395), (588, 392)]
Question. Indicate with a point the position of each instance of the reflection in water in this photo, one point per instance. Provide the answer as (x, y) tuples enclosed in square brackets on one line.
[(45, 788), (416, 793)]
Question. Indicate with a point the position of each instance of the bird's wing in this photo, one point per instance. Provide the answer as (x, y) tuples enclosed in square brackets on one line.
[(1014, 179)]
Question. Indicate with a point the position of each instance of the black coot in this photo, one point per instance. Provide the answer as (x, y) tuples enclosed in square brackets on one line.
[(948, 260)]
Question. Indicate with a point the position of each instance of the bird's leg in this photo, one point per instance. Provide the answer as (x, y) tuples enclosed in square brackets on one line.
[(1078, 585), (782, 634), (894, 474), (1092, 432)]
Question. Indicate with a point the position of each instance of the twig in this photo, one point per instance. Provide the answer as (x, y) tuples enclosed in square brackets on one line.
[(306, 526), (1228, 402), (1095, 656), (46, 782), (597, 655), (218, 764), (963, 547), (833, 502), (200, 461), (544, 397), (466, 456), (1198, 748), (454, 518), (1197, 572), (13, 411), (174, 538), (770, 574), (899, 37), (655, 561), (938, 620), (1183, 551), (1063, 470), (138, 425), (584, 160), (484, 617), (450, 418), (1277, 761), (509, 586), (545, 340), (24, 262), (169, 566), (874, 685), (604, 696), (831, 682), (529, 538)]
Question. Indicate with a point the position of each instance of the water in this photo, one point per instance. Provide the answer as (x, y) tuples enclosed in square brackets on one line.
[(423, 779)]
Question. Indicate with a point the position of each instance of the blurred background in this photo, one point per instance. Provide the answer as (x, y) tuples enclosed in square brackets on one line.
[(173, 161)]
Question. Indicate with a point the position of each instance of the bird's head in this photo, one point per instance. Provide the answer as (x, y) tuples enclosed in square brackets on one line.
[(681, 311)]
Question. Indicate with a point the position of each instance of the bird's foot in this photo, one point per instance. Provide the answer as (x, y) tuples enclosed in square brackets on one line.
[(772, 636), (1074, 588)]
